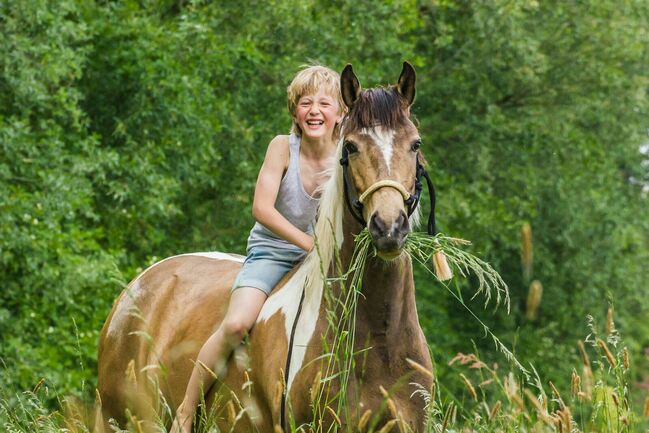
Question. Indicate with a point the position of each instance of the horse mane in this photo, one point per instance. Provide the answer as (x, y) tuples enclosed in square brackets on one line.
[(381, 106)]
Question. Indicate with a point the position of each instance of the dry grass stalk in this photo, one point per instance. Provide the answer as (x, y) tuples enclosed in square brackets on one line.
[(420, 368), (627, 362), (645, 408), (315, 388), (469, 387), (495, 410), (448, 417), (563, 420), (609, 321), (557, 395), (390, 403), (334, 415), (38, 385), (527, 251), (403, 427), (442, 269), (511, 389), (279, 391), (388, 426), (232, 413), (584, 355), (575, 383), (609, 356), (393, 408), (540, 410), (362, 422), (534, 296)]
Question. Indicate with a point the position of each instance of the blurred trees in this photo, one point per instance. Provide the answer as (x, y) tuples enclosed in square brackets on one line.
[(130, 131)]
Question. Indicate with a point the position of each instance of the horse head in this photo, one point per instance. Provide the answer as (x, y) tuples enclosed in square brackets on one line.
[(380, 158)]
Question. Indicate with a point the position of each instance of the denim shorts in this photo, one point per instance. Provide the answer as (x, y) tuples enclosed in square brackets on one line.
[(265, 266)]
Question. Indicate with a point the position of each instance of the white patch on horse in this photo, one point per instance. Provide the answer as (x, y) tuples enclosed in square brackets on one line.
[(384, 138), (286, 300), (126, 304)]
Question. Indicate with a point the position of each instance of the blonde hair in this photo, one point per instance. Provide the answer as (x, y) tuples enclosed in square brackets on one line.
[(309, 80)]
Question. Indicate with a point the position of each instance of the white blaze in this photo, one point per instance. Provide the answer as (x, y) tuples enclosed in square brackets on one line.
[(384, 138)]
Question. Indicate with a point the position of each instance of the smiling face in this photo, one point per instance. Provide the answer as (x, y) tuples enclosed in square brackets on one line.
[(317, 115)]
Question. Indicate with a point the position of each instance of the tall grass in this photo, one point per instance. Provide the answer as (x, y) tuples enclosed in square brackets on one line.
[(495, 399)]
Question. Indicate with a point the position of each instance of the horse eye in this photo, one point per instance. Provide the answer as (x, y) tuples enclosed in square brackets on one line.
[(415, 146), (350, 147)]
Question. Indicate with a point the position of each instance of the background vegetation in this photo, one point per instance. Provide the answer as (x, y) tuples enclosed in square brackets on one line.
[(134, 130)]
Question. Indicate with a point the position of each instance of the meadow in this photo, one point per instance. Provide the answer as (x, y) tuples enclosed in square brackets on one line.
[(132, 130)]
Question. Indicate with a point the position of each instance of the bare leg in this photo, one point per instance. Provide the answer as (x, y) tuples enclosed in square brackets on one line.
[(245, 305)]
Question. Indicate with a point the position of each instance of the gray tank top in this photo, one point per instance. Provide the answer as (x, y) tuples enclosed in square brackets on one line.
[(293, 202)]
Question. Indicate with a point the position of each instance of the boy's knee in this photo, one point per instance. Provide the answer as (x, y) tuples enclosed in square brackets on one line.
[(235, 330)]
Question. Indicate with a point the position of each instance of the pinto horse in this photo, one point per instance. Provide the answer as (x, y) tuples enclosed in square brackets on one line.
[(162, 318)]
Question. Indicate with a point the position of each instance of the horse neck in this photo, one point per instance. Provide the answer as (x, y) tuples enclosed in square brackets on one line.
[(387, 305)]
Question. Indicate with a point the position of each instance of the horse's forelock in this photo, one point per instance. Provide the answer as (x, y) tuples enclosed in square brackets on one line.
[(377, 107)]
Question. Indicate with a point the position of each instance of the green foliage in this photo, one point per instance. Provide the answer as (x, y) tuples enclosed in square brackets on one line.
[(131, 131)]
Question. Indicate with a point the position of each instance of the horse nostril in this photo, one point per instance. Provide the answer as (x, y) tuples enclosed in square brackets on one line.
[(377, 226), (402, 224)]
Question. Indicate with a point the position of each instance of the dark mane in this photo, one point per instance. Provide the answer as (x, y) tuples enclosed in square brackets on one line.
[(377, 107)]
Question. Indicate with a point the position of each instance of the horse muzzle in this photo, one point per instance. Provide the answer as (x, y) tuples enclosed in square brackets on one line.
[(389, 237)]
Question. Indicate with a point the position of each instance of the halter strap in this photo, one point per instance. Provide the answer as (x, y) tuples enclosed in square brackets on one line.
[(382, 183)]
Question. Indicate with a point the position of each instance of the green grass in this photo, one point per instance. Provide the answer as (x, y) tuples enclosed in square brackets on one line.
[(495, 399)]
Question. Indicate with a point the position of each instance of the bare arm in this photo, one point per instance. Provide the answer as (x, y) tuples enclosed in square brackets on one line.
[(268, 182)]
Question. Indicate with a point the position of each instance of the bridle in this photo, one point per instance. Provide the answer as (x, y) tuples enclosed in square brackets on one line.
[(355, 203)]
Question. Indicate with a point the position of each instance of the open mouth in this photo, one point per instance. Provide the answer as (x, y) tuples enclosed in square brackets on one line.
[(315, 122)]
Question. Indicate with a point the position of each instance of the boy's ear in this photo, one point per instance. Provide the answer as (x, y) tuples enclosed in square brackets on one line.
[(349, 86), (406, 83)]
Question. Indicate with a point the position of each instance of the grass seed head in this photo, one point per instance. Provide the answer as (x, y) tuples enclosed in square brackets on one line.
[(609, 321), (334, 415), (584, 355), (232, 413), (645, 408), (420, 368), (388, 426), (362, 422), (469, 387), (609, 356), (534, 296), (575, 383), (495, 410)]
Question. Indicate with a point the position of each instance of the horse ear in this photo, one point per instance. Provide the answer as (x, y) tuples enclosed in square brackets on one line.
[(406, 83), (349, 86)]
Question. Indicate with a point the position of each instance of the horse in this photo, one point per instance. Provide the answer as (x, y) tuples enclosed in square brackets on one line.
[(160, 321)]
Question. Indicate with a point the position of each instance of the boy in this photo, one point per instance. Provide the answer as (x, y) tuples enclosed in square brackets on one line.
[(284, 206)]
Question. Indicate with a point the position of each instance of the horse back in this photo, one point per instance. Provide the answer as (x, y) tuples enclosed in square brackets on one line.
[(156, 329)]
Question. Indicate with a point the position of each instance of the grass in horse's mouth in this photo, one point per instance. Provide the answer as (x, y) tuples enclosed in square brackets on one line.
[(341, 314)]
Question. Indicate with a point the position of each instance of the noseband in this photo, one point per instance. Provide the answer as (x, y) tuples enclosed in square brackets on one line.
[(355, 204)]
